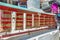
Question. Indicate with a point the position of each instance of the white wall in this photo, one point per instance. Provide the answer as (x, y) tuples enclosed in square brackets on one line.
[(33, 4)]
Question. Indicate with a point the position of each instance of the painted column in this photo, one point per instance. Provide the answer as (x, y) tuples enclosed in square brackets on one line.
[(13, 21), (24, 21), (9, 1), (1, 29), (32, 20)]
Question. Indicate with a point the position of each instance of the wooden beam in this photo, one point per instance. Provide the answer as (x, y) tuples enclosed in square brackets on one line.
[(23, 0)]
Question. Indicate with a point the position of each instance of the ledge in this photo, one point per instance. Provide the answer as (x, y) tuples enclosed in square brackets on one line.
[(18, 7)]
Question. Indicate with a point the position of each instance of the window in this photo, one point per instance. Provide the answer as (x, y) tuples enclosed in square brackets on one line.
[(23, 3), (45, 5), (15, 2), (5, 1)]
